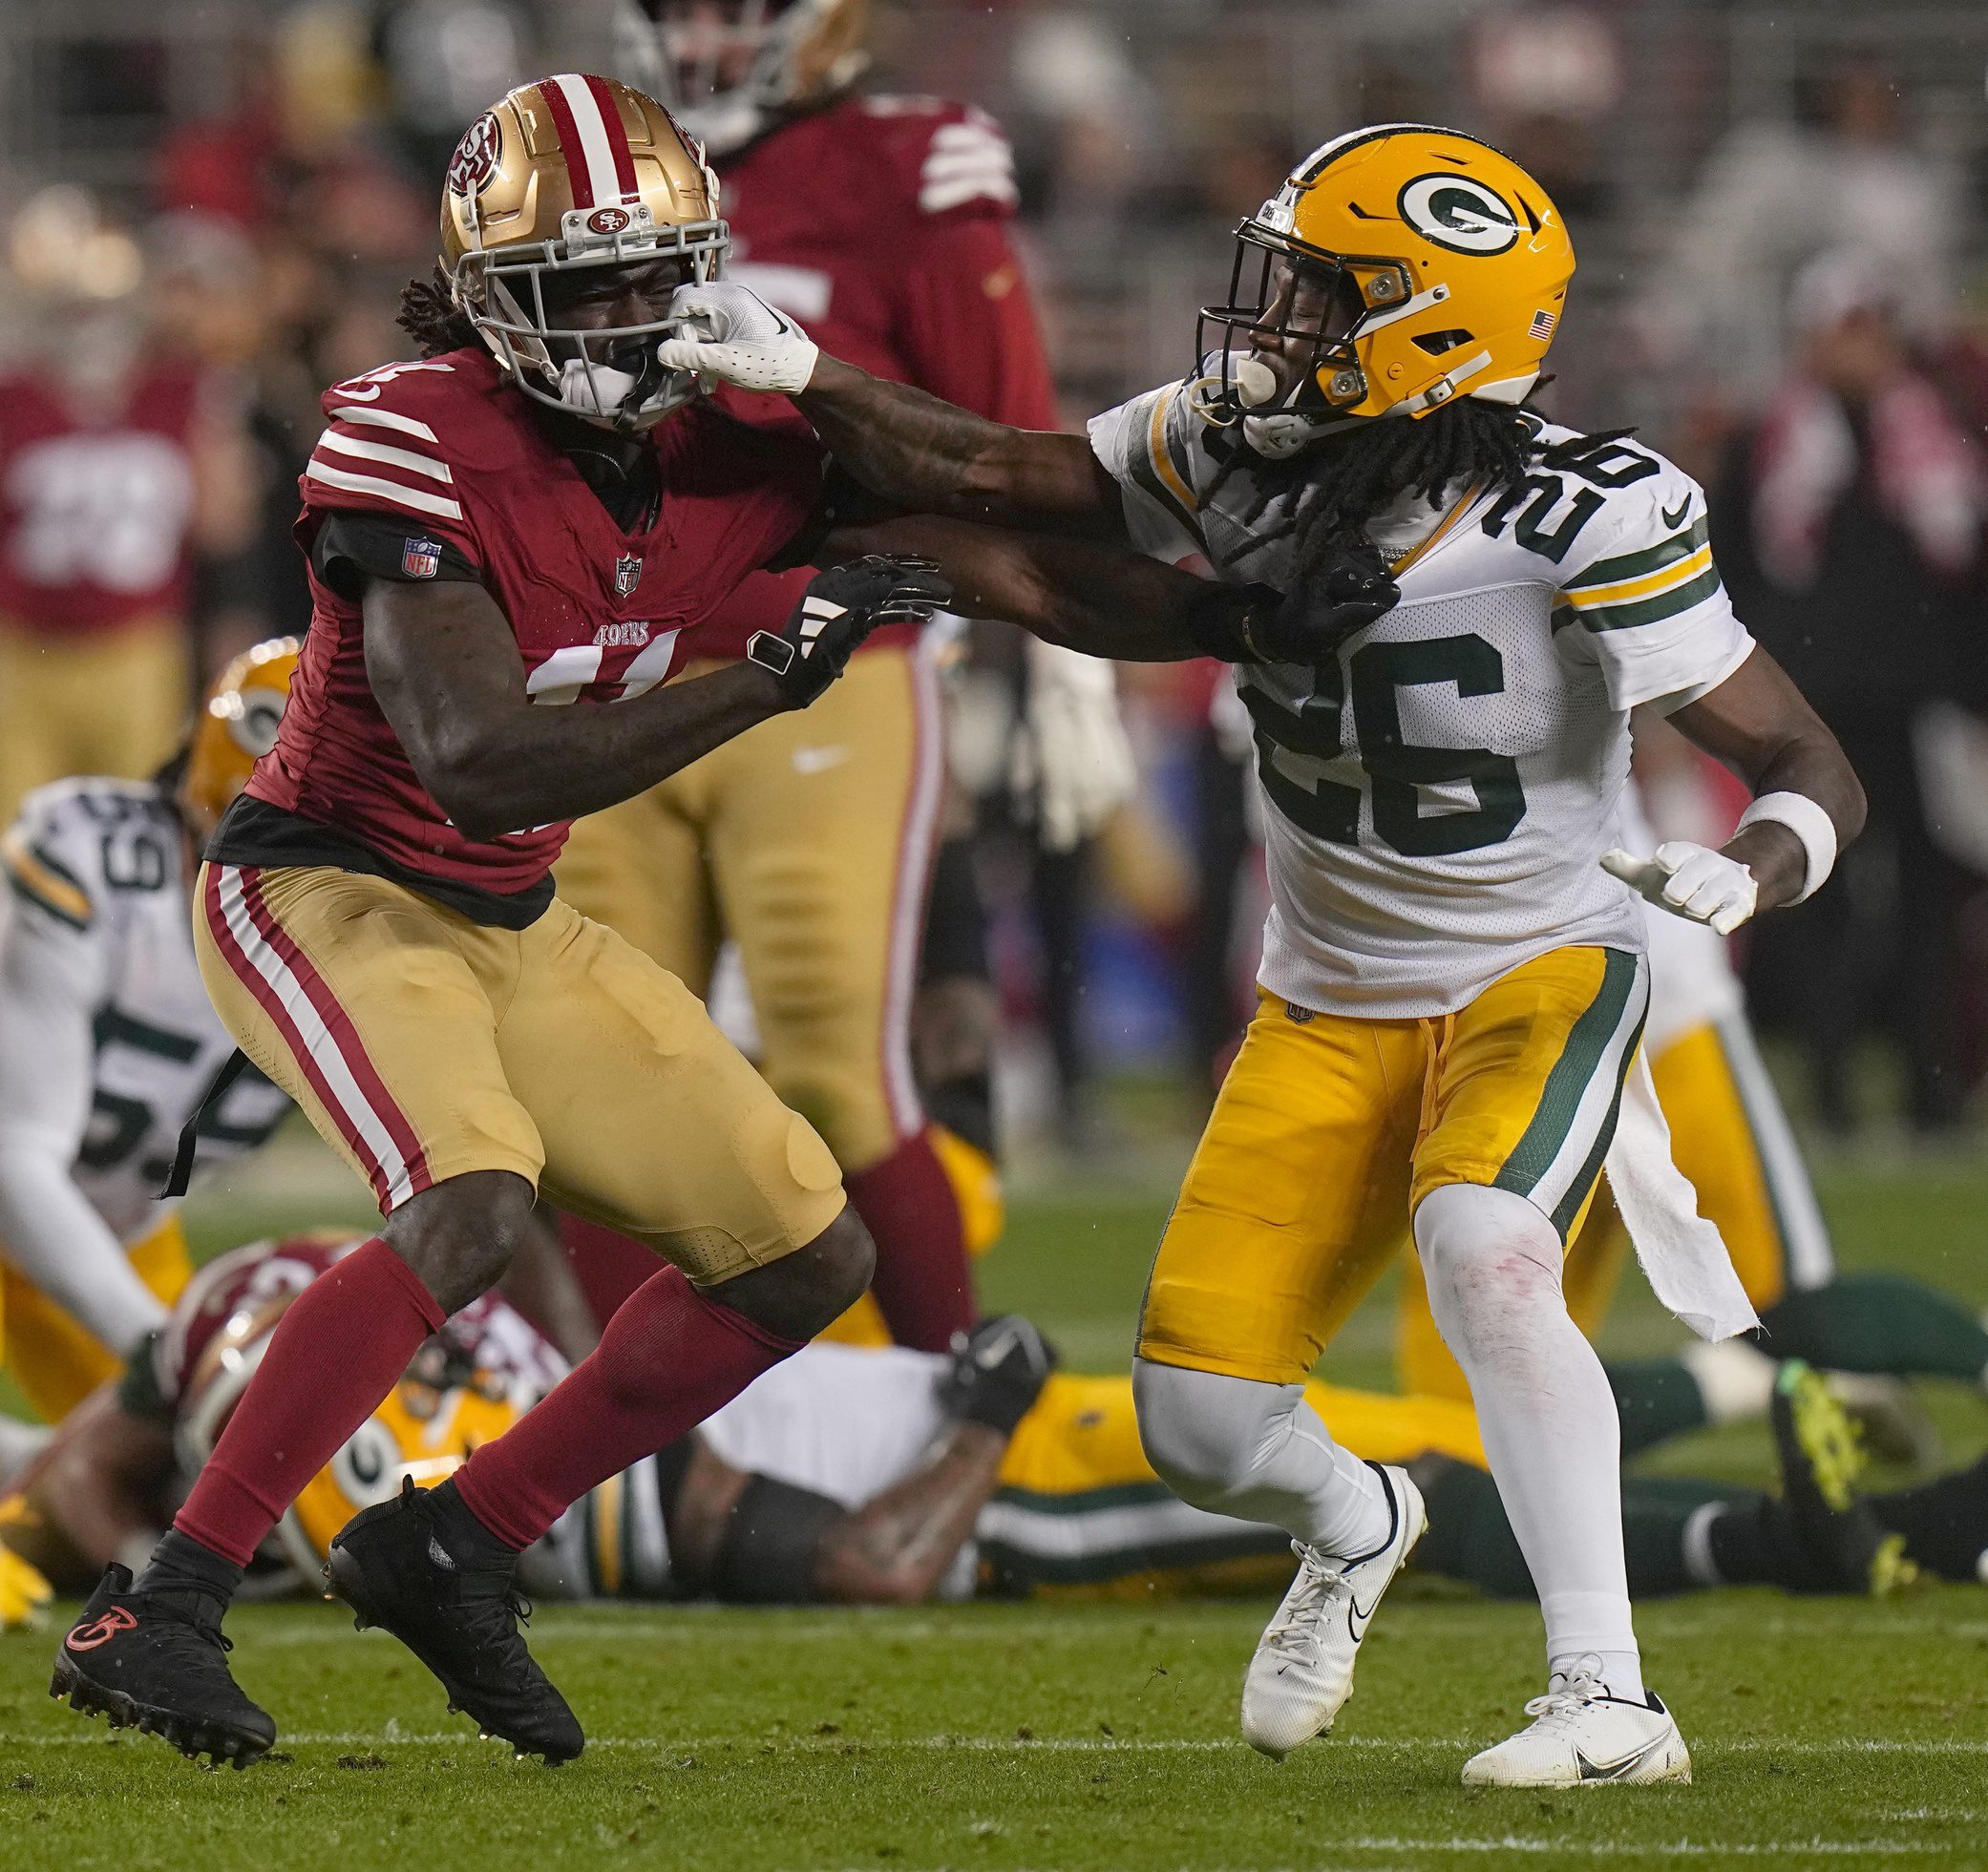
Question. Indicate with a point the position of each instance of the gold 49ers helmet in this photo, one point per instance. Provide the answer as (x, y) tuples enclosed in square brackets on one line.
[(1398, 266), (234, 729), (559, 179), (732, 69)]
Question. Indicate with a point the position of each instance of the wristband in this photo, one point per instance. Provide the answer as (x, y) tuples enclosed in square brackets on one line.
[(1810, 824)]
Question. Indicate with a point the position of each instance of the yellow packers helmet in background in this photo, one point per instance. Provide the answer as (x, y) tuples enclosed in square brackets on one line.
[(235, 728), (577, 173), (1443, 266), (731, 69)]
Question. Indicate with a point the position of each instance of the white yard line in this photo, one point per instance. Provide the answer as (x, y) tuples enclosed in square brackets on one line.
[(1008, 1744)]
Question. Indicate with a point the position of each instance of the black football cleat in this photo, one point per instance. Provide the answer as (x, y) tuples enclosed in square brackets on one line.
[(156, 1661), (458, 1614), (1821, 1458)]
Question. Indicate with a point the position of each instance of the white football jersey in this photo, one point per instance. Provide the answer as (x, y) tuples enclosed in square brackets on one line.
[(846, 1421), (96, 882), (1440, 797)]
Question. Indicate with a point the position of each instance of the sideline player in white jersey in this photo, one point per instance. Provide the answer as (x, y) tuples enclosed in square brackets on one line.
[(1453, 984), (109, 1045)]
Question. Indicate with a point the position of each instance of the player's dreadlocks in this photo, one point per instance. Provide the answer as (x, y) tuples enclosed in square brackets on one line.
[(432, 318), (1344, 483)]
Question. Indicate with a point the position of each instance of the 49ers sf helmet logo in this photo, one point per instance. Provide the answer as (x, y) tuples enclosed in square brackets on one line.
[(475, 158), (1458, 213), (609, 220)]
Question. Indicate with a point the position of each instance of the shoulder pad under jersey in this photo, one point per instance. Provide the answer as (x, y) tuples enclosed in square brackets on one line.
[(77, 842), (944, 158), (410, 440)]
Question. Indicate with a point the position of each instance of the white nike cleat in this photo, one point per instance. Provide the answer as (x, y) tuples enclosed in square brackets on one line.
[(1581, 1736), (1302, 1671)]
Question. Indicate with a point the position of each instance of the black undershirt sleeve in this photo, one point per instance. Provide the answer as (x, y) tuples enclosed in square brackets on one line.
[(351, 548)]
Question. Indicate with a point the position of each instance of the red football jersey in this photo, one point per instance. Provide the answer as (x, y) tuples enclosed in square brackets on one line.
[(94, 511), (880, 225), (446, 449)]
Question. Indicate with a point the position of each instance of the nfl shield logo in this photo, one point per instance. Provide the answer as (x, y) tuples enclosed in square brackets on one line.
[(420, 559), (627, 575)]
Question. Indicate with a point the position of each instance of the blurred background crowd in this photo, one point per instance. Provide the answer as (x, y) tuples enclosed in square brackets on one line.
[(207, 208)]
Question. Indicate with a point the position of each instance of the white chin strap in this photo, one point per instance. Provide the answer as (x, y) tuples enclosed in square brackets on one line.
[(599, 394)]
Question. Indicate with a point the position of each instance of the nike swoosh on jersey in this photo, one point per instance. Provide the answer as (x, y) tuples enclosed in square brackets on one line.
[(1612, 1771), (1672, 521), (818, 759)]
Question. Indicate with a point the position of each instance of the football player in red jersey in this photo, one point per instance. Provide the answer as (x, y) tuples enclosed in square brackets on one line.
[(881, 225), (502, 527)]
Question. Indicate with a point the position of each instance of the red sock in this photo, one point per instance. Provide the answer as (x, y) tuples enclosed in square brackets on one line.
[(340, 1347), (668, 1358), (922, 1284)]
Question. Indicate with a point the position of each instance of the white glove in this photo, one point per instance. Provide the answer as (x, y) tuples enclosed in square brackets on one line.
[(1691, 881), (1071, 753), (733, 336)]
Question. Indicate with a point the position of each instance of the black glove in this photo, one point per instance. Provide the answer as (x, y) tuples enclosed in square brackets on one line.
[(998, 1370), (840, 607), (1260, 624)]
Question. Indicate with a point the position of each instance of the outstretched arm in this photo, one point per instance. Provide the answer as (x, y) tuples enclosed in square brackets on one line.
[(1107, 601), (937, 458), (912, 448), (893, 1550)]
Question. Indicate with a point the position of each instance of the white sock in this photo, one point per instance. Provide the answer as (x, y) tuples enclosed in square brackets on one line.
[(1236, 1446), (1545, 1409)]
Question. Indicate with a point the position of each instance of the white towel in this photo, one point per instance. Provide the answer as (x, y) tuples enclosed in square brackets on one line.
[(1684, 1256)]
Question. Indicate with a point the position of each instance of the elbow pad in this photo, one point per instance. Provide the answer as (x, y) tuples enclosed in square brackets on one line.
[(771, 1536)]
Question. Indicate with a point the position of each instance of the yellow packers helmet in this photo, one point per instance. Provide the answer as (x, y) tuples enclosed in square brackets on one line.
[(441, 1410), (234, 729), (732, 69), (1398, 266), (560, 178)]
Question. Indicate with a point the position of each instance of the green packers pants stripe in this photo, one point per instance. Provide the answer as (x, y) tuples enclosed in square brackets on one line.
[(1559, 1155)]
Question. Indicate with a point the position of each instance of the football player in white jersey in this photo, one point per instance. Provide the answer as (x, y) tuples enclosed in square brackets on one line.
[(109, 1045), (1453, 983)]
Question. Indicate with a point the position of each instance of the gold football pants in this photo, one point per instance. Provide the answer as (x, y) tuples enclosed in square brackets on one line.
[(48, 1351), (423, 1046), (1330, 1130), (110, 701), (808, 840), (1731, 1139)]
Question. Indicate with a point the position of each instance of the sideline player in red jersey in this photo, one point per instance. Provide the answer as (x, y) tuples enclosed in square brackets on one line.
[(493, 532), (880, 223)]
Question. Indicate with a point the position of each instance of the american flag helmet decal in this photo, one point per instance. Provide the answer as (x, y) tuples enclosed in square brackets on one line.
[(1542, 326)]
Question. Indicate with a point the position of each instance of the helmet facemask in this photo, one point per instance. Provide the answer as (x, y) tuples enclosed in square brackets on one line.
[(1299, 312), (729, 70), (515, 297)]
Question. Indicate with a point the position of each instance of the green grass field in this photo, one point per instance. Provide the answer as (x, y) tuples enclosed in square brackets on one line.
[(1073, 1735)]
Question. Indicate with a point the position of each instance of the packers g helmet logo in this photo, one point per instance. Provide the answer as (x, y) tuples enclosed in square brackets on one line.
[(1458, 213)]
